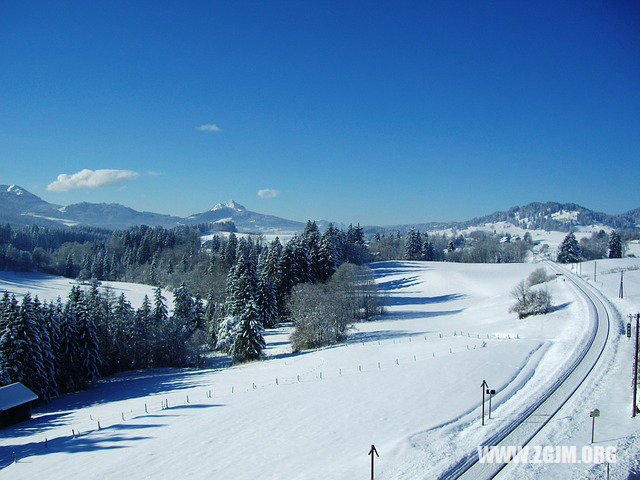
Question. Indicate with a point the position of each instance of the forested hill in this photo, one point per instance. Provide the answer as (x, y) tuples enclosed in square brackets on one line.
[(537, 215)]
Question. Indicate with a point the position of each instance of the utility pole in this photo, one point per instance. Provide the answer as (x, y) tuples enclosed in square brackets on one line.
[(484, 388), (595, 272), (621, 291), (593, 414), (371, 452), (635, 369)]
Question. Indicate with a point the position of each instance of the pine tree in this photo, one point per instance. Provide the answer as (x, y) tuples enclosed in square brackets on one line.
[(14, 343), (211, 318), (34, 375), (302, 259), (123, 321), (183, 307), (160, 312), (413, 245), (198, 314), (615, 245), (286, 279), (88, 355), (49, 388), (428, 252), (242, 286), (266, 302), (229, 253), (569, 251), (248, 341), (143, 337), (273, 258), (327, 263)]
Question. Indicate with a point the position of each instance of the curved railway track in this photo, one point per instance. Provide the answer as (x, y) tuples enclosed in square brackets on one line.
[(521, 430)]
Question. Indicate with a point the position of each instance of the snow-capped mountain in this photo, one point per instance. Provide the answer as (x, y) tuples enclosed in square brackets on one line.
[(246, 220), (18, 206)]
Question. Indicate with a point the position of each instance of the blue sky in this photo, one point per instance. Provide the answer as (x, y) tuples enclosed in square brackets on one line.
[(377, 112)]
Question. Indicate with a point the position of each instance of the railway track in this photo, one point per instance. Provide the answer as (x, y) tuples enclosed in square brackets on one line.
[(523, 428)]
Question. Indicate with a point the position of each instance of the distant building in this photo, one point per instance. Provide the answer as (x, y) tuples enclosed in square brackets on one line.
[(15, 404)]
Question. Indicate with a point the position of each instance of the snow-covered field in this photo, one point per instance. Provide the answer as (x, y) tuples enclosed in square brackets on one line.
[(407, 383), (50, 287)]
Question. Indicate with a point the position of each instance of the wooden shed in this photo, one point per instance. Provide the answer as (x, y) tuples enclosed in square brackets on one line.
[(15, 404)]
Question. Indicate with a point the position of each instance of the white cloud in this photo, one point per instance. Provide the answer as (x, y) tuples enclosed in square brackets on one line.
[(153, 173), (268, 193), (89, 179), (208, 127)]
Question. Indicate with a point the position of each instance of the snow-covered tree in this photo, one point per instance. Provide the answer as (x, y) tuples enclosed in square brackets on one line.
[(615, 245), (87, 343), (183, 307), (248, 341), (266, 302), (569, 251)]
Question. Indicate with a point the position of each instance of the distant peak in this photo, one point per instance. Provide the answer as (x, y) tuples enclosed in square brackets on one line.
[(232, 204)]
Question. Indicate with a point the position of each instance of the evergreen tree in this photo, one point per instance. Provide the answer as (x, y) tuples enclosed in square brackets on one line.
[(68, 374), (248, 341), (229, 253), (266, 302), (123, 320), (413, 245), (14, 344), (569, 251), (88, 355), (286, 279), (143, 337), (211, 318), (198, 314), (328, 257), (273, 258), (160, 312), (48, 389), (615, 245), (183, 307), (242, 287), (428, 252)]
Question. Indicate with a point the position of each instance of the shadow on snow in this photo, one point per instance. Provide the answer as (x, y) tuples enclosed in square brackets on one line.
[(109, 438)]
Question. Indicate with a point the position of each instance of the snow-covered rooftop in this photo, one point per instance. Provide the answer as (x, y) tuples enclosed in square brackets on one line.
[(14, 395)]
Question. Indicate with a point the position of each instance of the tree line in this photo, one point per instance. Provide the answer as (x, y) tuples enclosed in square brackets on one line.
[(58, 347), (598, 245), (477, 247)]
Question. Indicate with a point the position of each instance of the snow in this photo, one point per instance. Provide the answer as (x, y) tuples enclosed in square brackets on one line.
[(50, 287), (540, 237), (407, 382), (15, 394), (15, 189), (230, 204), (566, 216), (64, 221)]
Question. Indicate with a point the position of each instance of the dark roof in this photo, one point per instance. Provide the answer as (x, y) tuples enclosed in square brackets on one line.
[(14, 395)]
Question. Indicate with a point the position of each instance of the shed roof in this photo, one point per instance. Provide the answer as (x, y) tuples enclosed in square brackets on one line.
[(14, 395)]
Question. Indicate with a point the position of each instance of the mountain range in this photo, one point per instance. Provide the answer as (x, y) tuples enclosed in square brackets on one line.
[(18, 206)]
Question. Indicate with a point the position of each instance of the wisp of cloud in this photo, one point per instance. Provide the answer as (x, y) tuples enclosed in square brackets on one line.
[(268, 193)]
